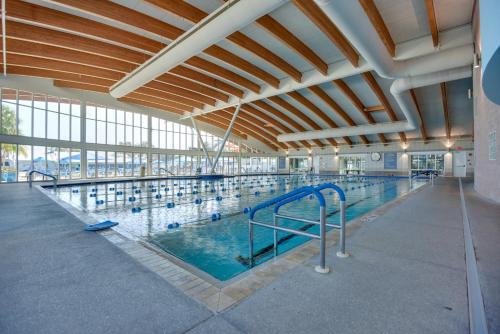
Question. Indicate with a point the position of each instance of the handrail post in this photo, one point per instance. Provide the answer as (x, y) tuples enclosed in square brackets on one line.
[(322, 268), (342, 253), (250, 243), (275, 235)]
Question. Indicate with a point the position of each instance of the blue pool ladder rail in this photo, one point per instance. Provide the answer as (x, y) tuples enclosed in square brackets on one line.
[(290, 197)]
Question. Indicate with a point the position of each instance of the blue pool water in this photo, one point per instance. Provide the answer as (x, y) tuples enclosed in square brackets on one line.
[(220, 247)]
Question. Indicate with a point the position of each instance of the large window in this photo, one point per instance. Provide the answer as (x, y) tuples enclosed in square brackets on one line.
[(66, 146), (433, 161), (38, 115), (115, 127), (17, 160)]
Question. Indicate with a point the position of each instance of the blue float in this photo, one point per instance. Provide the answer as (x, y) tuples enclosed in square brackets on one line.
[(100, 226), (215, 216), (99, 202), (247, 210), (119, 193), (179, 194), (194, 192), (111, 189), (198, 201), (138, 191), (75, 191), (170, 205), (92, 195), (131, 199), (218, 198), (158, 196), (136, 210), (257, 193), (173, 225), (237, 195)]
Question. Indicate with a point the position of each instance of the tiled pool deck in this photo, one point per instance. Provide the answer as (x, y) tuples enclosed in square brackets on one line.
[(406, 275)]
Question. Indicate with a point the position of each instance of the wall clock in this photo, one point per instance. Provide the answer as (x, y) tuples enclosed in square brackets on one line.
[(375, 156)]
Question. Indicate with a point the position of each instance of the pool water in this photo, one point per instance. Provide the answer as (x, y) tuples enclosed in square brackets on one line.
[(220, 247)]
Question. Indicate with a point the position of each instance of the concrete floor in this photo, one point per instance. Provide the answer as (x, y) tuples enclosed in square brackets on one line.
[(406, 275)]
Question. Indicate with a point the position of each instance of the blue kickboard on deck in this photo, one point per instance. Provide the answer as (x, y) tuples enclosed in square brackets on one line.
[(101, 226)]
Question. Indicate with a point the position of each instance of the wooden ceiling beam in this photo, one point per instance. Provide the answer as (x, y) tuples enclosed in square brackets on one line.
[(185, 72), (322, 95), (319, 18), (378, 23), (273, 111), (268, 23), (374, 108), (431, 18), (223, 121), (356, 102), (193, 86), (36, 15), (222, 126), (250, 110), (232, 59), (444, 98), (28, 33), (254, 130), (79, 85), (89, 73), (377, 90), (194, 14), (298, 113), (209, 67), (420, 115)]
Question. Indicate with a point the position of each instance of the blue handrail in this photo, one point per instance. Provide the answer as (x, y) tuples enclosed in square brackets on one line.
[(334, 187), (319, 196), (277, 199)]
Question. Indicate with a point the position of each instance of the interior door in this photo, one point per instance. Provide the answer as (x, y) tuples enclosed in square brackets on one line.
[(459, 164)]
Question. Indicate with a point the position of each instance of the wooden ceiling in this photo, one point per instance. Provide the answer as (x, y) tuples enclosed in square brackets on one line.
[(86, 45)]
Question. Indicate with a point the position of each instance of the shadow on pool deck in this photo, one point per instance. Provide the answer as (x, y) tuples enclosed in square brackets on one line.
[(406, 275)]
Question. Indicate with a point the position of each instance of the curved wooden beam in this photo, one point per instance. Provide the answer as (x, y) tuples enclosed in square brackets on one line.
[(194, 14), (35, 14), (420, 115), (444, 99), (431, 17), (312, 107), (349, 93), (273, 111), (372, 82), (242, 129), (283, 34), (378, 23), (287, 106), (254, 130), (319, 18), (252, 111)]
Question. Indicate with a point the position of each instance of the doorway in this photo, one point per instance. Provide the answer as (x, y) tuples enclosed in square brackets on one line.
[(459, 164)]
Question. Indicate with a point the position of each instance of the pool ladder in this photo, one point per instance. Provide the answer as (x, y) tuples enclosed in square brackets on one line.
[(30, 177), (290, 197)]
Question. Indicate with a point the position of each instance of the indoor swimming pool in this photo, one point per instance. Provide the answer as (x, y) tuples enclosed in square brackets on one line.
[(205, 223)]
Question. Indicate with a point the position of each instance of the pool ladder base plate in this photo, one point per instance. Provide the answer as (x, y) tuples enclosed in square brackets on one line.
[(342, 255), (320, 270)]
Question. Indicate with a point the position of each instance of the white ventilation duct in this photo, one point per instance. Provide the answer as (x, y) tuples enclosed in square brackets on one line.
[(441, 66), (400, 90), (353, 22), (230, 17)]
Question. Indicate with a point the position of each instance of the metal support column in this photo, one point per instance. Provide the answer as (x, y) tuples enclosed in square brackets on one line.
[(228, 132), (200, 140)]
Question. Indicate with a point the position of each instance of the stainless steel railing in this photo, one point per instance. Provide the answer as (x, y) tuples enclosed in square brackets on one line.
[(30, 177)]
